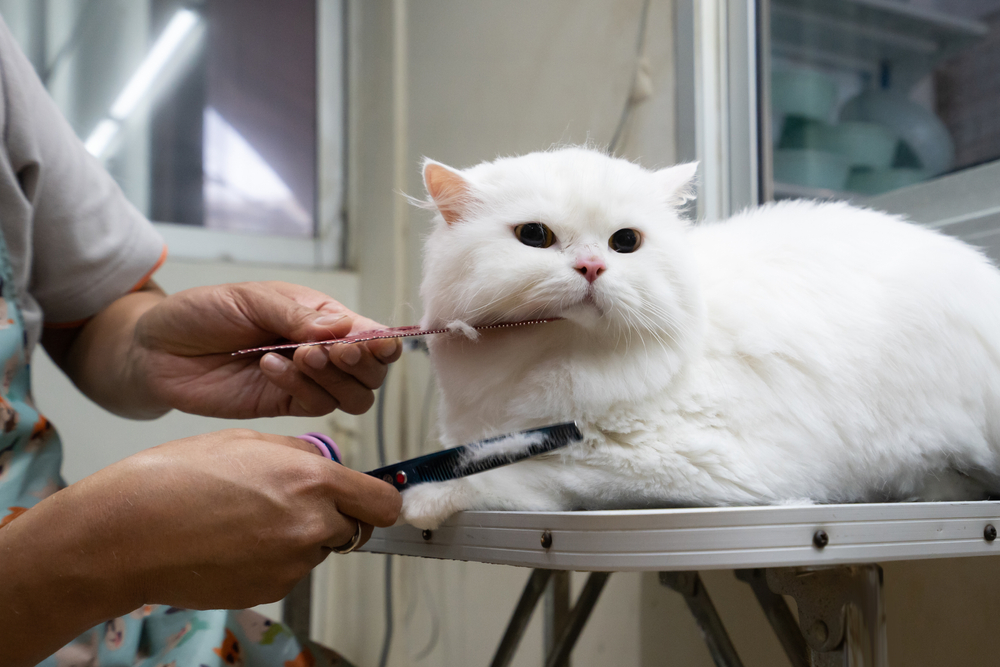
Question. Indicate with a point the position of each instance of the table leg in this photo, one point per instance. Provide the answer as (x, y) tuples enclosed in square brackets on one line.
[(779, 616), (689, 585), (560, 643), (840, 612), (556, 611), (522, 615), (576, 619)]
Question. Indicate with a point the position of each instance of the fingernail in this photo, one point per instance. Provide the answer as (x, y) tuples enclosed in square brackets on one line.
[(386, 348), (351, 355), (328, 320), (316, 357), (273, 363)]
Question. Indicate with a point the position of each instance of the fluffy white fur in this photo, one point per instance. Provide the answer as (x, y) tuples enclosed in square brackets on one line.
[(798, 351)]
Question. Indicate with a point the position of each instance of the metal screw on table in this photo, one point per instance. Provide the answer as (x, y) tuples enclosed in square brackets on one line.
[(820, 539), (426, 534), (546, 539), (990, 532)]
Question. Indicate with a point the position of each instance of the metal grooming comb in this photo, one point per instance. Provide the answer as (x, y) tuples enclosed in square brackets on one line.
[(477, 457), (392, 332)]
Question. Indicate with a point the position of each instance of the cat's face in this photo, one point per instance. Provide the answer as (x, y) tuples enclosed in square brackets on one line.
[(570, 233)]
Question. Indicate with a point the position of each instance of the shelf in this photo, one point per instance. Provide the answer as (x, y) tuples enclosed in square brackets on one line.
[(964, 204), (792, 191), (704, 538), (860, 34)]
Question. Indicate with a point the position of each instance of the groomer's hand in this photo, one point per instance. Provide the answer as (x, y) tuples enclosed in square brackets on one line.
[(234, 518), (225, 520), (186, 341), (148, 352)]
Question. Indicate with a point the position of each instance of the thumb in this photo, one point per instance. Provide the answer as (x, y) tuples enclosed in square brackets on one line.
[(280, 314)]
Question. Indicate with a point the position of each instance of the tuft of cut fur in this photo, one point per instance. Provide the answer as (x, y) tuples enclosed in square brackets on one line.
[(797, 352), (463, 328), (508, 445)]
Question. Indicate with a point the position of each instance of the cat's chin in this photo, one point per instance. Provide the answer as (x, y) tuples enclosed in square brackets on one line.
[(586, 314)]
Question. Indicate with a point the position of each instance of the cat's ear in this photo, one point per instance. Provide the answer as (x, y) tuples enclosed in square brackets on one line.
[(448, 189), (677, 182)]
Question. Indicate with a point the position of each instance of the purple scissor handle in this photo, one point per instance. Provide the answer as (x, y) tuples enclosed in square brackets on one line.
[(325, 444)]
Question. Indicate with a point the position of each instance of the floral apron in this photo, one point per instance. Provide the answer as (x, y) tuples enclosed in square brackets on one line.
[(151, 636)]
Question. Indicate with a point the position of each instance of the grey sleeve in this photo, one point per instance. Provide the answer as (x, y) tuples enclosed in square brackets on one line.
[(75, 243)]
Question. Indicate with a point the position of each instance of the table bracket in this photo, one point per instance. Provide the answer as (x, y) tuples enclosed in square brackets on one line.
[(840, 612)]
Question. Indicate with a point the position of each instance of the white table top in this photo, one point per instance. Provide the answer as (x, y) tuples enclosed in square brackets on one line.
[(704, 538)]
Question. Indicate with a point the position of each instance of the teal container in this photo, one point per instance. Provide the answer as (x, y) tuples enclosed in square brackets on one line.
[(803, 92), (810, 168), (870, 145)]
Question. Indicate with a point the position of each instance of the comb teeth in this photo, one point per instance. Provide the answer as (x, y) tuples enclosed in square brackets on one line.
[(438, 470), (555, 437)]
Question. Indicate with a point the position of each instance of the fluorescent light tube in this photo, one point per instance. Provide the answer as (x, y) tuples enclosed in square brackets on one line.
[(102, 135), (179, 27)]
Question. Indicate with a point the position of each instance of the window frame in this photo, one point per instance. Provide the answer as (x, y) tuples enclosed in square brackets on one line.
[(326, 250)]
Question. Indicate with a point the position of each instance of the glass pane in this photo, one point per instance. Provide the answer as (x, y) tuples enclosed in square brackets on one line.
[(868, 96), (205, 113)]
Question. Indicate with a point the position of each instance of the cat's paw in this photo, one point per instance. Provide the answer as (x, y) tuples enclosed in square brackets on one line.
[(427, 505)]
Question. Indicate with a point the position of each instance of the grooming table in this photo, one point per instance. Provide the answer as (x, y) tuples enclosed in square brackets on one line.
[(824, 556)]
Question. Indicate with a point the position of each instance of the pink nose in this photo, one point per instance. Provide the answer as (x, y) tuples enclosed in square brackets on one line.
[(590, 268)]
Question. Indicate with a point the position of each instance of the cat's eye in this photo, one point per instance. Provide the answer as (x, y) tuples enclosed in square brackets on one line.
[(625, 240), (534, 234)]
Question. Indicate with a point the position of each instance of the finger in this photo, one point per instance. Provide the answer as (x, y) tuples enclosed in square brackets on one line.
[(307, 398), (305, 445), (284, 440), (386, 350), (364, 497), (366, 533), (354, 360), (278, 313), (362, 323), (353, 493), (336, 541), (352, 395)]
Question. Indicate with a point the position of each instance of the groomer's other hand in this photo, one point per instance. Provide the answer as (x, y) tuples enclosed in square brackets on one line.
[(183, 347), (234, 518), (225, 520)]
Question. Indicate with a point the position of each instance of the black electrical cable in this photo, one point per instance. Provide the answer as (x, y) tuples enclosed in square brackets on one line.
[(424, 428), (382, 461), (380, 423)]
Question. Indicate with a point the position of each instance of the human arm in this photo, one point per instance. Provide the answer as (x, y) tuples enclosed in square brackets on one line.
[(225, 520), (148, 352)]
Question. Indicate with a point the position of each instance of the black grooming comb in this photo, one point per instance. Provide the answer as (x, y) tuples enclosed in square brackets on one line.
[(476, 457)]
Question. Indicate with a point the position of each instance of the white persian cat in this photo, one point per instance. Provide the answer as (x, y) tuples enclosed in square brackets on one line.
[(798, 352)]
